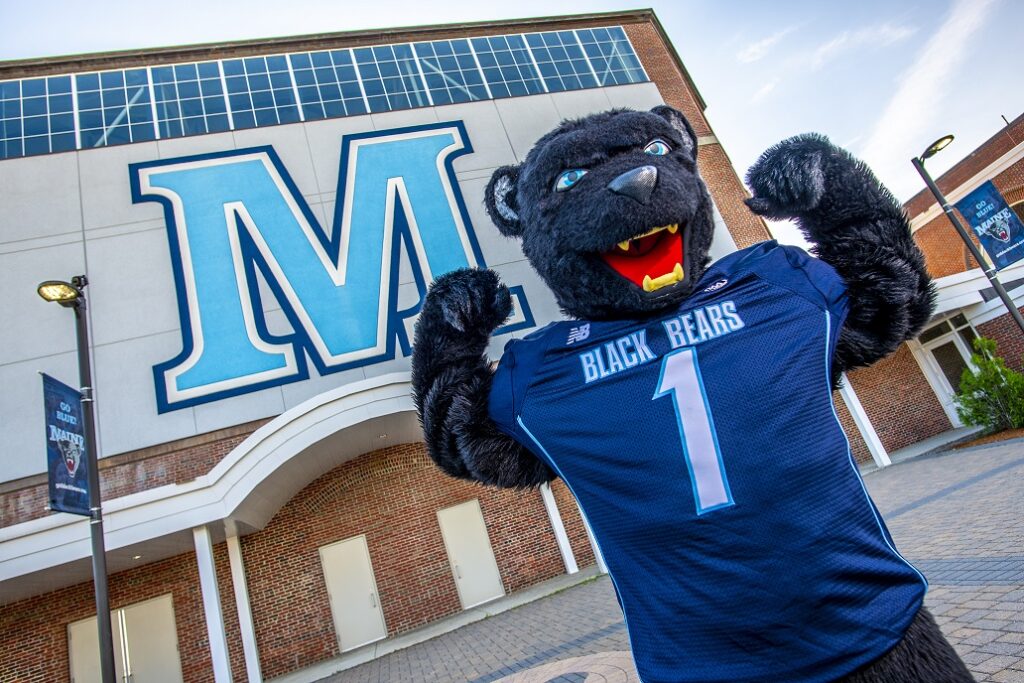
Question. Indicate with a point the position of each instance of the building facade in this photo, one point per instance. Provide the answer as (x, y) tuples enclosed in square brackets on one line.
[(258, 222)]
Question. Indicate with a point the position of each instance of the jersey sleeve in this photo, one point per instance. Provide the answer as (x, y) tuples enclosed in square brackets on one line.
[(811, 278), (502, 402)]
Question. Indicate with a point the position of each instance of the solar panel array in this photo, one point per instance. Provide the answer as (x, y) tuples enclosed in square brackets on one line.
[(81, 111)]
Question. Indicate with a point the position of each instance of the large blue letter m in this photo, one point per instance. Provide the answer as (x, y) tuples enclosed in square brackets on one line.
[(234, 215)]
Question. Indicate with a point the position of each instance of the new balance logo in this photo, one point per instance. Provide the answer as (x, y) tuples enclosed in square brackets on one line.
[(578, 334), (717, 286)]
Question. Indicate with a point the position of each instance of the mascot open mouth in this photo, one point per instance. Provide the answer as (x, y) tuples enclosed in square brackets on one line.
[(652, 260)]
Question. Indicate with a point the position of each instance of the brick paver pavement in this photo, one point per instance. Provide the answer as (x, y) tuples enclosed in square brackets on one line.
[(958, 516)]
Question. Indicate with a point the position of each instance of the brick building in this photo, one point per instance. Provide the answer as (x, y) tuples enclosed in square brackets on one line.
[(264, 517)]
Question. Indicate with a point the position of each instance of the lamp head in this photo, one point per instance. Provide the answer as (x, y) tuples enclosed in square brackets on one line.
[(63, 293), (937, 146)]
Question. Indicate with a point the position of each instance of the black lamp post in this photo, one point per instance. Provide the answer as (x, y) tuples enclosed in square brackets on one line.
[(72, 295), (990, 271)]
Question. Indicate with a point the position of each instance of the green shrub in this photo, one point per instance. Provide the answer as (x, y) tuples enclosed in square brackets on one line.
[(992, 395)]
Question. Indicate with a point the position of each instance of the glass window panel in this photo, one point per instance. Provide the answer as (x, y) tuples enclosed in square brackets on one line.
[(37, 145), (260, 99), (266, 117), (217, 123), (112, 79), (288, 114), (255, 65), (60, 103), (32, 87), (64, 142), (313, 111), (89, 100), (142, 132), (10, 90), (62, 123), (300, 60), (87, 82), (214, 105), (321, 59), (968, 335), (140, 113), (194, 125), (284, 98), (58, 85), (90, 137), (36, 125), (209, 70), (92, 118), (185, 72), (277, 63), (10, 109), (237, 84), (259, 82), (334, 108), (351, 91), (232, 67), (114, 98), (118, 135), (210, 87), (171, 129), (280, 80), (33, 106), (188, 89), (304, 77), (192, 107), (383, 52)]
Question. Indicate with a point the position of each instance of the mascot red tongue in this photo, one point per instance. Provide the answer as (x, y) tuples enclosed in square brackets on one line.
[(649, 260), (693, 420)]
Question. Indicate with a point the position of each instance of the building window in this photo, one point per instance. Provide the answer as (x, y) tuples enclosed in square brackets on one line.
[(1018, 209), (947, 345), (79, 111)]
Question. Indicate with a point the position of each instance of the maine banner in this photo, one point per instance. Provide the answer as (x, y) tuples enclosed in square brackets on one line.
[(67, 461), (996, 225)]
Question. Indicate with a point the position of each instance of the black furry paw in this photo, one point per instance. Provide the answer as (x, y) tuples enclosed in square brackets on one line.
[(789, 178), (469, 300)]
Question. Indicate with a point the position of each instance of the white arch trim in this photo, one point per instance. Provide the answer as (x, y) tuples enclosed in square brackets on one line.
[(241, 493)]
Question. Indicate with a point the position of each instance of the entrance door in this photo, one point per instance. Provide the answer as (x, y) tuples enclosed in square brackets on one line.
[(947, 347), (469, 552), (352, 590), (145, 644)]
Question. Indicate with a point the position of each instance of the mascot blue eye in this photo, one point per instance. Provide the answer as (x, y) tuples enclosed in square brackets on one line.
[(569, 178), (658, 147)]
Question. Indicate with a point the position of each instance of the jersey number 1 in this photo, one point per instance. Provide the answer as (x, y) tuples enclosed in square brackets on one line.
[(680, 378)]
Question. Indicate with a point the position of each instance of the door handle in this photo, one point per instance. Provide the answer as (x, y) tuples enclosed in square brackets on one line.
[(373, 600)]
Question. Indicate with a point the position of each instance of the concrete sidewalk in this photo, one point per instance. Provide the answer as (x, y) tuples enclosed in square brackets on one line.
[(958, 516)]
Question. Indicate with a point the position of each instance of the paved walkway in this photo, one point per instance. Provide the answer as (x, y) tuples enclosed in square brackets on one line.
[(957, 516)]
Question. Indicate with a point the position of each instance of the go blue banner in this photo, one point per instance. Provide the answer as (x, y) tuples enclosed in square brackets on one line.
[(67, 462), (996, 225)]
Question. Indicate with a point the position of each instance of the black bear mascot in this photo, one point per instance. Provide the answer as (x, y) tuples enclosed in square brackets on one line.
[(688, 405)]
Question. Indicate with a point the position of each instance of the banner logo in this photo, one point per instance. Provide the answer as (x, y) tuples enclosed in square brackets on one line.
[(262, 286), (997, 227), (67, 467)]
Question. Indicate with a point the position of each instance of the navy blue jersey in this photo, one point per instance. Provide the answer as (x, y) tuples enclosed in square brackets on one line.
[(705, 452)]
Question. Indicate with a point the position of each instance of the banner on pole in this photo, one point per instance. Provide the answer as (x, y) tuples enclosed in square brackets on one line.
[(67, 461), (995, 224)]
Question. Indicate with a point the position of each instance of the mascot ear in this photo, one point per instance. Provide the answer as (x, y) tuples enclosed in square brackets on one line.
[(502, 203), (682, 127)]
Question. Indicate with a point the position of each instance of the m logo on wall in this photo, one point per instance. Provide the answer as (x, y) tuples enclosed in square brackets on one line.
[(236, 217)]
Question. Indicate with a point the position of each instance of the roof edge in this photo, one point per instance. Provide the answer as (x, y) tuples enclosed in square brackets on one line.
[(99, 61)]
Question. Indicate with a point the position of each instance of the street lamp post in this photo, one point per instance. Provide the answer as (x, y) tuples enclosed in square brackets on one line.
[(990, 271), (72, 295)]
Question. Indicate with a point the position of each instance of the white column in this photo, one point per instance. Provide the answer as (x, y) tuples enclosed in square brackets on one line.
[(211, 605), (593, 542), (863, 423), (562, 538), (252, 655)]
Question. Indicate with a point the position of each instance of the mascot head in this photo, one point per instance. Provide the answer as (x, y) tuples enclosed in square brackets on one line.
[(611, 212)]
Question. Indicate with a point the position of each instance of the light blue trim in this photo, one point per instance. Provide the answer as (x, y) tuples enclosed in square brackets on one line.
[(682, 432), (849, 452), (554, 465)]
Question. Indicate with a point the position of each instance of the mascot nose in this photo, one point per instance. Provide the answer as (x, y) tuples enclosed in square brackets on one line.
[(637, 184)]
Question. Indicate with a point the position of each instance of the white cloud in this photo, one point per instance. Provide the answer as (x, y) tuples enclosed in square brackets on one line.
[(896, 135), (756, 51), (765, 90), (879, 36)]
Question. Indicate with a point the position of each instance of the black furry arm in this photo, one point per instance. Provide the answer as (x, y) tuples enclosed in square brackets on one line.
[(859, 228), (451, 382)]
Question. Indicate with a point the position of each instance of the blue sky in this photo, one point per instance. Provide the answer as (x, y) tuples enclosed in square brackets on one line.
[(881, 78)]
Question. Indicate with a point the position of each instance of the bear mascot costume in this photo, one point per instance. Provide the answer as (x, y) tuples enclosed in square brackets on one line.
[(688, 406)]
